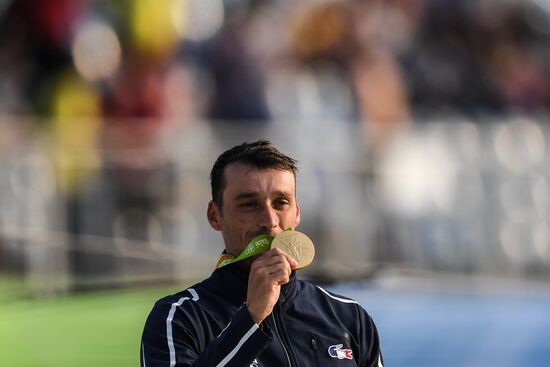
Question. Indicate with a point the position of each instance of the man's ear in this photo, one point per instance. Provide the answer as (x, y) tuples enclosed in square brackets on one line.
[(213, 214)]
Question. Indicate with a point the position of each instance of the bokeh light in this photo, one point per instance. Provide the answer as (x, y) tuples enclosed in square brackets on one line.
[(519, 145), (75, 130), (197, 20), (152, 29), (96, 50), (418, 175)]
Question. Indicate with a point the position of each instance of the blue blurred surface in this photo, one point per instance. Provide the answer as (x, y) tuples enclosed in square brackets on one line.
[(444, 328)]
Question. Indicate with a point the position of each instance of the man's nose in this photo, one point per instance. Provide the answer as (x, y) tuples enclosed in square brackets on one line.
[(269, 218)]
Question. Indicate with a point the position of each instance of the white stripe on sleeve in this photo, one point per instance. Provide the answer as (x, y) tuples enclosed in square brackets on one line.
[(337, 298), (238, 346), (169, 319)]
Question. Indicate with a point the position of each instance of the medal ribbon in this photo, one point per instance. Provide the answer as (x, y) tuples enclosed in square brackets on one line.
[(258, 245)]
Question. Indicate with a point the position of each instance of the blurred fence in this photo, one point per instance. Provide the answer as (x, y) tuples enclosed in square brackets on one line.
[(98, 209)]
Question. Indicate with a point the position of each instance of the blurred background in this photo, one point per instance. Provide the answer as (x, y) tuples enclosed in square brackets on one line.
[(420, 127)]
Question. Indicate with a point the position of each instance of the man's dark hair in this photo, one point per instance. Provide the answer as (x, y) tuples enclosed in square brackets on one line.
[(259, 154)]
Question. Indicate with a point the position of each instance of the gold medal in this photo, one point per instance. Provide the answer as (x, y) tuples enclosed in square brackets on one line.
[(297, 245)]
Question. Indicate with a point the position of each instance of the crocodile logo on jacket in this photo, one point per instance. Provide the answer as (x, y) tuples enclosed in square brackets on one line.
[(336, 351)]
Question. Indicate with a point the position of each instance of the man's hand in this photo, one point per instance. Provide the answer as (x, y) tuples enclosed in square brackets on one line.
[(267, 273)]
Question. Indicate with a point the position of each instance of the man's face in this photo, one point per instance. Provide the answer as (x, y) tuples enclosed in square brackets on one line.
[(255, 201)]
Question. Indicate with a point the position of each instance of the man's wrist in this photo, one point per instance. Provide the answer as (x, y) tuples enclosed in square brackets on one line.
[(253, 314)]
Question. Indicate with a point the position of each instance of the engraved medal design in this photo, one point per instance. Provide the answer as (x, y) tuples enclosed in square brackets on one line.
[(297, 245)]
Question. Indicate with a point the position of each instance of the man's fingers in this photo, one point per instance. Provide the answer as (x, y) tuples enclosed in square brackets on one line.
[(293, 263), (275, 273), (274, 270), (275, 256)]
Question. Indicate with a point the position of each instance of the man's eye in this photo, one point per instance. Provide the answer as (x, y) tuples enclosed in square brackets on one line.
[(248, 204), (280, 203)]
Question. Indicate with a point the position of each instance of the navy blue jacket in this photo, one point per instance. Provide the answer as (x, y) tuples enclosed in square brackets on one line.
[(209, 325)]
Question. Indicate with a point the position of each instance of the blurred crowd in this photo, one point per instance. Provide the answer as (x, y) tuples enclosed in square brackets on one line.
[(128, 69), (373, 61), (106, 78)]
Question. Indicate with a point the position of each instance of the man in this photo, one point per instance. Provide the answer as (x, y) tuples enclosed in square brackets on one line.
[(256, 312)]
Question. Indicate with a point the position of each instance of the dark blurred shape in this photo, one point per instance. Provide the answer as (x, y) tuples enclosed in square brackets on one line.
[(238, 85), (444, 66), (37, 34)]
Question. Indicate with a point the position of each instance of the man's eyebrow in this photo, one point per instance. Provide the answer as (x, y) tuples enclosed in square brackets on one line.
[(246, 195), (252, 194), (283, 193)]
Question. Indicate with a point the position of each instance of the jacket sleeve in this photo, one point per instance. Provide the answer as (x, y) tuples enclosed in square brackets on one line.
[(174, 336), (371, 353)]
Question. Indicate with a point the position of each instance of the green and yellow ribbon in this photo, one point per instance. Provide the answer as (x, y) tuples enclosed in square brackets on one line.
[(259, 244)]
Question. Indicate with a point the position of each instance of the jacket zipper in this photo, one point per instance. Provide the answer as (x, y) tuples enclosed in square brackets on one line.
[(281, 332), (282, 341)]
